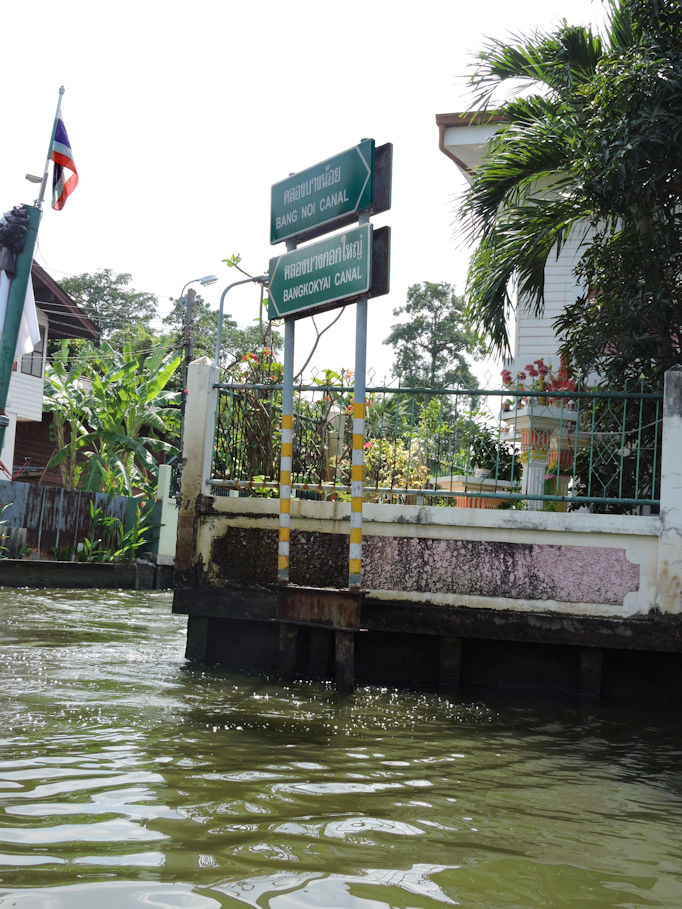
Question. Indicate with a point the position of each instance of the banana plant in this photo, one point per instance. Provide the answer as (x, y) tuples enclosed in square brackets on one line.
[(113, 418)]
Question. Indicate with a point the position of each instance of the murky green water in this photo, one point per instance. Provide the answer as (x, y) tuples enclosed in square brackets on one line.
[(128, 778)]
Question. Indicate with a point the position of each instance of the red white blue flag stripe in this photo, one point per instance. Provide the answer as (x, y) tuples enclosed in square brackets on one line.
[(60, 153)]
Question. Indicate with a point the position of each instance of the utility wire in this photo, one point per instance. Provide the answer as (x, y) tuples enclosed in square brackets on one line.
[(113, 357), (68, 274)]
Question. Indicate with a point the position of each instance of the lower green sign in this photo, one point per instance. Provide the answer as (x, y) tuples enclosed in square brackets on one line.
[(322, 273)]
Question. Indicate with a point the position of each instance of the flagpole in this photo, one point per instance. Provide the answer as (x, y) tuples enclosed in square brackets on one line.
[(17, 289), (41, 196)]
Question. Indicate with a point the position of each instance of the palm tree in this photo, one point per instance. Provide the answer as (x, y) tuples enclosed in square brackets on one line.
[(528, 194)]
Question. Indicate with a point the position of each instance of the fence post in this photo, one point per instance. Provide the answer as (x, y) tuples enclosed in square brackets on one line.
[(669, 577), (202, 401), (169, 518)]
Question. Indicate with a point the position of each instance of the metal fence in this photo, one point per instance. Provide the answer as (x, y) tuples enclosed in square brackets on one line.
[(492, 448), (56, 520)]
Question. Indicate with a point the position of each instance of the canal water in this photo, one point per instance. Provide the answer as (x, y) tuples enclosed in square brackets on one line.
[(131, 778)]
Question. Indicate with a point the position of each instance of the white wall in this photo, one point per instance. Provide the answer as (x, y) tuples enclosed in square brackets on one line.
[(25, 395), (534, 337), (7, 453)]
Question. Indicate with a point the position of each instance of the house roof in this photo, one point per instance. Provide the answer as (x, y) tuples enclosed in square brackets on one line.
[(463, 137), (67, 319)]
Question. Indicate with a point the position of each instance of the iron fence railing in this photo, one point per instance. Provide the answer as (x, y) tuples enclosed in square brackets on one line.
[(508, 448)]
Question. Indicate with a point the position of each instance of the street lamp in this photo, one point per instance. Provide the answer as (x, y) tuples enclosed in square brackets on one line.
[(188, 348), (205, 281), (188, 318), (187, 333), (259, 279)]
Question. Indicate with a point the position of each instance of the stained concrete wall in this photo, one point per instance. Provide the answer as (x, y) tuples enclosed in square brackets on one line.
[(582, 564), (106, 576)]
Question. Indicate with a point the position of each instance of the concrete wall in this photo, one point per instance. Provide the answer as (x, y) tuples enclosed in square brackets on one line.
[(165, 552), (582, 564), (77, 575), (437, 582)]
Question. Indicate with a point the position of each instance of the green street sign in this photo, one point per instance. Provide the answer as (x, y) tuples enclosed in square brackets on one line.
[(320, 274), (314, 200)]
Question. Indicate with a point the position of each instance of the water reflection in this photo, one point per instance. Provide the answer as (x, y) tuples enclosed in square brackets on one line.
[(128, 777)]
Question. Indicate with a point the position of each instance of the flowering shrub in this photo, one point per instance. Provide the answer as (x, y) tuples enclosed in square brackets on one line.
[(397, 464), (541, 379), (389, 464), (257, 367)]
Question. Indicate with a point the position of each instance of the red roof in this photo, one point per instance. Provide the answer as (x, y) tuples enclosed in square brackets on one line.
[(67, 319)]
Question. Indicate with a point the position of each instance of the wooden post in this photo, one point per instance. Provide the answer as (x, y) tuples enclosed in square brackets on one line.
[(450, 664), (589, 680), (345, 661), (198, 638), (288, 645)]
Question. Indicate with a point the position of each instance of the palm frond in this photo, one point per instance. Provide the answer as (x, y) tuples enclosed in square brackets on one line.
[(518, 248), (550, 63)]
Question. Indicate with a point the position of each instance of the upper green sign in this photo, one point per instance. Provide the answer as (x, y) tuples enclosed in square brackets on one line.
[(321, 274), (321, 195)]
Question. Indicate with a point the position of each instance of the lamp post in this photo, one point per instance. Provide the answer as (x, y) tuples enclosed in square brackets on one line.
[(188, 353), (259, 279)]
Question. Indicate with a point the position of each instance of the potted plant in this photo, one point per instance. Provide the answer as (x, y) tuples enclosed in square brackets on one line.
[(484, 452)]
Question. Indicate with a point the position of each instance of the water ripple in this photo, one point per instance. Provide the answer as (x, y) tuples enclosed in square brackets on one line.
[(129, 778)]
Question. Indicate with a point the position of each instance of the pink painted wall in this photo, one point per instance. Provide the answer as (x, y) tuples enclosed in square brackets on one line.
[(576, 574)]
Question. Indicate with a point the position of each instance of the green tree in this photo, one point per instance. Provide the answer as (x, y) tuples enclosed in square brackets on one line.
[(66, 397), (116, 415), (138, 336), (431, 347), (106, 298), (594, 147), (630, 326), (528, 192), (205, 326), (236, 341)]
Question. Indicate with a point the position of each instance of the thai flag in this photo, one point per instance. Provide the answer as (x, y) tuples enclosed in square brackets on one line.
[(60, 153)]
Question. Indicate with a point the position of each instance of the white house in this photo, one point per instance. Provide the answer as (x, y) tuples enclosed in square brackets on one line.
[(464, 141), (58, 317)]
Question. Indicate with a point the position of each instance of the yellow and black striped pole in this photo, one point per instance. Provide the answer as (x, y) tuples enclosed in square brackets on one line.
[(286, 454), (357, 477), (357, 482)]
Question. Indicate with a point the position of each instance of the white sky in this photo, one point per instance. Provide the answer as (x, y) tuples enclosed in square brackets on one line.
[(182, 115)]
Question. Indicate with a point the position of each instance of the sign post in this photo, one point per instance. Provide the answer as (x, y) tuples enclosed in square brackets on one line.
[(348, 267), (357, 469), (286, 453)]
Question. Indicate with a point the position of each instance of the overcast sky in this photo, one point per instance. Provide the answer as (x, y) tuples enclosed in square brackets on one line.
[(182, 115)]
